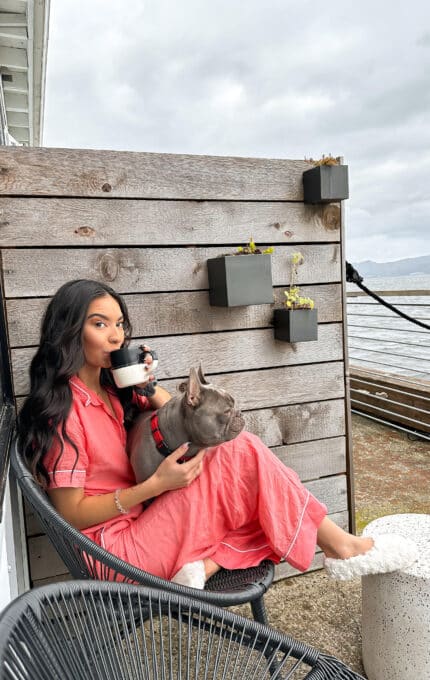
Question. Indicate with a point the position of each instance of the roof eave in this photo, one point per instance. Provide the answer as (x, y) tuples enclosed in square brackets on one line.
[(23, 48), (38, 31)]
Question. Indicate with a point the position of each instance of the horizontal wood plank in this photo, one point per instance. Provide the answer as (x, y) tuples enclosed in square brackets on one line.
[(314, 459), (36, 272), (391, 397), (285, 570), (331, 491), (37, 583), (33, 526), (297, 422), (128, 174), (118, 222), (301, 401), (44, 560), (229, 351), (291, 424), (267, 388), (156, 314)]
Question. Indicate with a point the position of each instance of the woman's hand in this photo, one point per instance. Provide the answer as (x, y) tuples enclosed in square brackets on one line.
[(171, 475), (150, 355), (157, 396)]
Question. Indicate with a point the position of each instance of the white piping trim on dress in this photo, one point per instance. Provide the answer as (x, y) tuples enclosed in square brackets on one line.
[(266, 545), (88, 401), (58, 472), (298, 526)]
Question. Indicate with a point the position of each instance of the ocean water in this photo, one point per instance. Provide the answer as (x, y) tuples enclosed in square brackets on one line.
[(379, 339)]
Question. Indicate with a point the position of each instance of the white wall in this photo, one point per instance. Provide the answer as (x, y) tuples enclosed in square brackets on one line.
[(13, 554), (6, 589)]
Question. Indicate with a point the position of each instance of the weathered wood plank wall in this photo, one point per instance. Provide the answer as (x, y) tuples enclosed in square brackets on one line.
[(146, 224)]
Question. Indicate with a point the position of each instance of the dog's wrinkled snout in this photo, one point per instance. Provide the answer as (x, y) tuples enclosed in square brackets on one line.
[(237, 422)]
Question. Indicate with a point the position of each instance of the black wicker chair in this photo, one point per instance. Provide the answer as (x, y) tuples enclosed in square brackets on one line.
[(86, 560), (86, 630)]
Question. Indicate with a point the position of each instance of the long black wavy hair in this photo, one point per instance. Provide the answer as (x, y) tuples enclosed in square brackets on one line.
[(59, 357)]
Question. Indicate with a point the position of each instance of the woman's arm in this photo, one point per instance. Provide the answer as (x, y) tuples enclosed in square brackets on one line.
[(85, 511), (160, 397)]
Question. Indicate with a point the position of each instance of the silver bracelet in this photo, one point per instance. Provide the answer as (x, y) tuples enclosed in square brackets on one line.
[(117, 502)]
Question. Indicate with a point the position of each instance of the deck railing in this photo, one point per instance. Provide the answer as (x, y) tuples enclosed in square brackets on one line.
[(390, 359)]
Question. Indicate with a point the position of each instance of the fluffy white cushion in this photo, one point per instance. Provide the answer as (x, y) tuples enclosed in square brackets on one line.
[(389, 553)]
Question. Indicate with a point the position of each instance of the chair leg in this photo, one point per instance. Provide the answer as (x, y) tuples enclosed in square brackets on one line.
[(259, 611)]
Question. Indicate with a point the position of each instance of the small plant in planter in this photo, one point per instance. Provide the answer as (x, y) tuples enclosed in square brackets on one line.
[(298, 321), (326, 182), (241, 278), (251, 249)]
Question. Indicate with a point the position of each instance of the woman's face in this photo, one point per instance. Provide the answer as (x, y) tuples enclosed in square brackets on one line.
[(102, 332)]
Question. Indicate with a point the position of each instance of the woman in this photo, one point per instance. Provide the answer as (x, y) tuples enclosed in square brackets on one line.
[(230, 506)]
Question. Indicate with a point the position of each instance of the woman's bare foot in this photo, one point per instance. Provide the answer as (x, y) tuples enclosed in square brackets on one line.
[(339, 544), (211, 567), (347, 556)]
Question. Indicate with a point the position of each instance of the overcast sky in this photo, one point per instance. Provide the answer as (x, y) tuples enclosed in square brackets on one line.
[(267, 78)]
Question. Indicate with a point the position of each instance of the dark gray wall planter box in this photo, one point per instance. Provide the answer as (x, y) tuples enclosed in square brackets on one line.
[(326, 183), (298, 325), (236, 280)]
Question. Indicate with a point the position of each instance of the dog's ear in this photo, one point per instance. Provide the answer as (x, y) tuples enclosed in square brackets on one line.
[(201, 376), (193, 389)]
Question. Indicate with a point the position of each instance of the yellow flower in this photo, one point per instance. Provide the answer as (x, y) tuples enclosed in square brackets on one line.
[(295, 301), (268, 251), (298, 258)]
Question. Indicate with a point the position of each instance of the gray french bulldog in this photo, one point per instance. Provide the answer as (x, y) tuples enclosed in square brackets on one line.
[(202, 414)]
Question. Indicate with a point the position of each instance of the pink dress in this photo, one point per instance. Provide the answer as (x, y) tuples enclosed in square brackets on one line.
[(245, 506)]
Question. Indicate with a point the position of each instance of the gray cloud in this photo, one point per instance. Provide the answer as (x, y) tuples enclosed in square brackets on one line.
[(277, 79)]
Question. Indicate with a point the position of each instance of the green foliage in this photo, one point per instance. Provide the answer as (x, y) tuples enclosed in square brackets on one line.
[(293, 298)]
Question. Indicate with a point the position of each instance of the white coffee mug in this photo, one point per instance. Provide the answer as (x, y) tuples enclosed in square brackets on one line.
[(128, 367)]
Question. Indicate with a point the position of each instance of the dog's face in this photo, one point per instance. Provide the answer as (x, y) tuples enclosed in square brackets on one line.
[(210, 413)]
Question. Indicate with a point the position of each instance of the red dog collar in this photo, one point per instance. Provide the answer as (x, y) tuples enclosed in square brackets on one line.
[(159, 440)]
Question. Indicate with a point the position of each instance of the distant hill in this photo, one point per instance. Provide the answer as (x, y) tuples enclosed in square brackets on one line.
[(410, 265)]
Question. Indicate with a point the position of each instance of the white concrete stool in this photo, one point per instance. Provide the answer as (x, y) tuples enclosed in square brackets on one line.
[(396, 607)]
